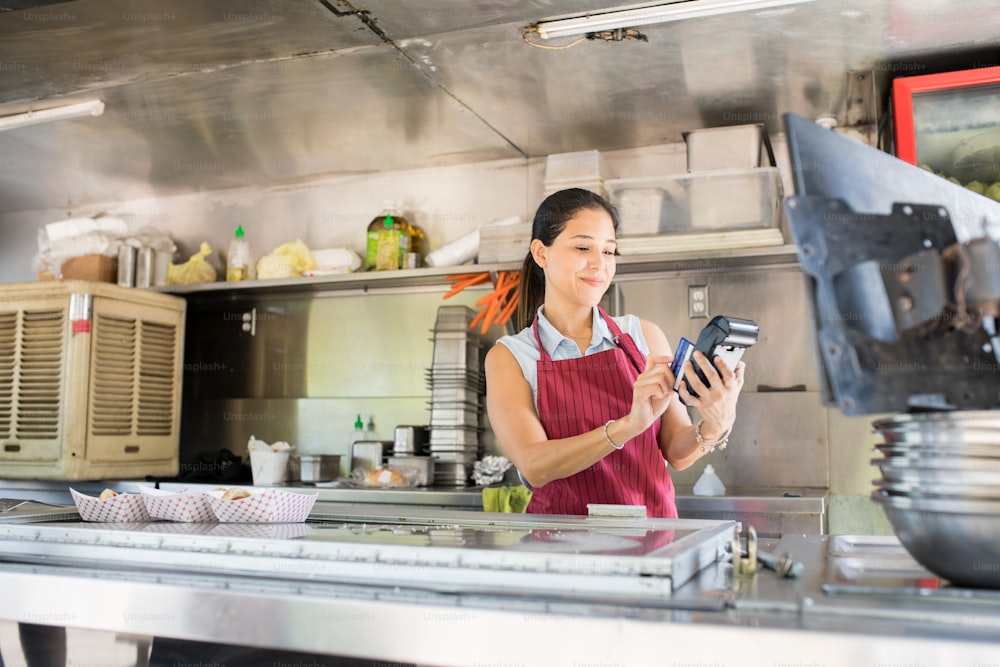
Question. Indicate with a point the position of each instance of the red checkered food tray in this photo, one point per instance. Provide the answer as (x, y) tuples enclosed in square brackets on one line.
[(186, 507), (264, 506), (123, 508)]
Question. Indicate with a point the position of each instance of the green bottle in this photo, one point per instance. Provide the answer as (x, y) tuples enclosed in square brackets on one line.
[(359, 430), (390, 230)]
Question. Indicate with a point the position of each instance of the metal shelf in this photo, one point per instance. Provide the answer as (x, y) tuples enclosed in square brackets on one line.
[(699, 261)]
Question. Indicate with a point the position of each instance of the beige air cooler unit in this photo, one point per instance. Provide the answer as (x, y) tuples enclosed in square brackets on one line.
[(90, 381)]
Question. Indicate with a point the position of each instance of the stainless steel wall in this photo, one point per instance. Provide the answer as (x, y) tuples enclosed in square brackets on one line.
[(780, 438), (316, 361), (313, 363)]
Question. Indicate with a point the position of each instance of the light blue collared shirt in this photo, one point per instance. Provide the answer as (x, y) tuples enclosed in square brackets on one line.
[(524, 347)]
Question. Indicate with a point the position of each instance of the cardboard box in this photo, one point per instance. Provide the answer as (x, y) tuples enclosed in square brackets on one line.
[(86, 267)]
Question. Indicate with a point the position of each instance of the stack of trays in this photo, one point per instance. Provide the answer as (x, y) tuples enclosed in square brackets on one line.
[(457, 384)]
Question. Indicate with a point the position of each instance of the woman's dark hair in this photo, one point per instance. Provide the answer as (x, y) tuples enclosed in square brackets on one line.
[(550, 220)]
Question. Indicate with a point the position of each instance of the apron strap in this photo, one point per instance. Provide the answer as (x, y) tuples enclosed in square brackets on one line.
[(538, 339)]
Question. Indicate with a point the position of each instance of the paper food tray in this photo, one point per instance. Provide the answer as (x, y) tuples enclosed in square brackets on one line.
[(123, 508), (267, 506), (172, 506)]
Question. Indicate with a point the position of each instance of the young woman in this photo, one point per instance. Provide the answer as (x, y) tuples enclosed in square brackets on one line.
[(583, 403)]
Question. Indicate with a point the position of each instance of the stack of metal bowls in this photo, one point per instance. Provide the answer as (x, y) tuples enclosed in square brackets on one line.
[(457, 383), (940, 489)]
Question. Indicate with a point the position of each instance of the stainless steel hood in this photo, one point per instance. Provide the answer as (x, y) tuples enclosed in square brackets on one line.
[(208, 96)]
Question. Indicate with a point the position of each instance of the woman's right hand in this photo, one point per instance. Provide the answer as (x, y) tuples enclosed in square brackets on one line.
[(652, 393)]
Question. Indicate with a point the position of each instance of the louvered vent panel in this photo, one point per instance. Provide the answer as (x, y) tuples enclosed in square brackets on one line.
[(36, 402), (8, 357), (113, 376), (156, 379)]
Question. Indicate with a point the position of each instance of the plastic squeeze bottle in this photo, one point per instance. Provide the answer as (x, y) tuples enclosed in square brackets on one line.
[(382, 227), (392, 245), (359, 430), (709, 483), (238, 259)]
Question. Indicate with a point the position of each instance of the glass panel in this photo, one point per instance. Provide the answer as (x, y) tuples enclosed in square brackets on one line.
[(958, 133)]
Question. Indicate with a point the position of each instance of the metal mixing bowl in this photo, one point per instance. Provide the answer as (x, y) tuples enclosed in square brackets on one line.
[(942, 471), (950, 451), (942, 420), (923, 490), (954, 539), (903, 470), (942, 436)]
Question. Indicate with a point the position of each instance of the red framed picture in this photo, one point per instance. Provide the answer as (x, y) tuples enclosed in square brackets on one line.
[(950, 123)]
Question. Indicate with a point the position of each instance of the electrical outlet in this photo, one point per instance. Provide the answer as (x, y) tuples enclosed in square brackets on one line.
[(697, 301)]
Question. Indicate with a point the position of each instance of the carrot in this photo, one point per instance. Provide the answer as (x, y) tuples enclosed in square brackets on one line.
[(465, 280), (469, 279), (497, 306), (477, 318), (490, 312), (506, 312), (497, 292)]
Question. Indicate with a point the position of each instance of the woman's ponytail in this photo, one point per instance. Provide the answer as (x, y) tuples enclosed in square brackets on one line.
[(530, 292)]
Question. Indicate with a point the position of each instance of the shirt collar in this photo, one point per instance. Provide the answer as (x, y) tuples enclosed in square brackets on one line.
[(551, 337)]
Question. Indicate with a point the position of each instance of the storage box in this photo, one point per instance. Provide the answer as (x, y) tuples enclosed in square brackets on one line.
[(506, 243), (86, 267), (582, 169), (733, 147), (705, 201), (578, 166), (589, 184)]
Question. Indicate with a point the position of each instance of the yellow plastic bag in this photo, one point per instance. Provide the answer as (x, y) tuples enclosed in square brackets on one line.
[(286, 261), (195, 270)]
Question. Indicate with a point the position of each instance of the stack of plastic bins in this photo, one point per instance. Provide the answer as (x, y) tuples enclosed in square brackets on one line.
[(583, 169), (457, 385)]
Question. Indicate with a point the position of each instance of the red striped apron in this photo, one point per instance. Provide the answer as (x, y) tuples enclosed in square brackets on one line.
[(579, 395)]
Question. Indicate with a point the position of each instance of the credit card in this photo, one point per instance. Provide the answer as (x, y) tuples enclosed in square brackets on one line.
[(685, 349)]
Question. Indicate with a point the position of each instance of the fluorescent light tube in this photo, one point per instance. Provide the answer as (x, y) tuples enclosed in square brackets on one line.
[(634, 16), (92, 108)]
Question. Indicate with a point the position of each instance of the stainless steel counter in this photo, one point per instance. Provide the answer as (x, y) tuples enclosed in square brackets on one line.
[(771, 511), (171, 581)]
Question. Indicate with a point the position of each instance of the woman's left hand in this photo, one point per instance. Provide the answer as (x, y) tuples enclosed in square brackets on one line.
[(715, 403)]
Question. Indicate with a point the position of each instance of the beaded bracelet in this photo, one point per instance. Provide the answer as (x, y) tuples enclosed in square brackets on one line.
[(608, 437), (708, 447)]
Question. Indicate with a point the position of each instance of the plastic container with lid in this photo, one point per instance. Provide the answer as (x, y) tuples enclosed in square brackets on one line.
[(709, 483), (238, 259), (720, 200)]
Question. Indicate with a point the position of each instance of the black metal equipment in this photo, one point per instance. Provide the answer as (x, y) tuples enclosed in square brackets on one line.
[(723, 337), (904, 277)]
